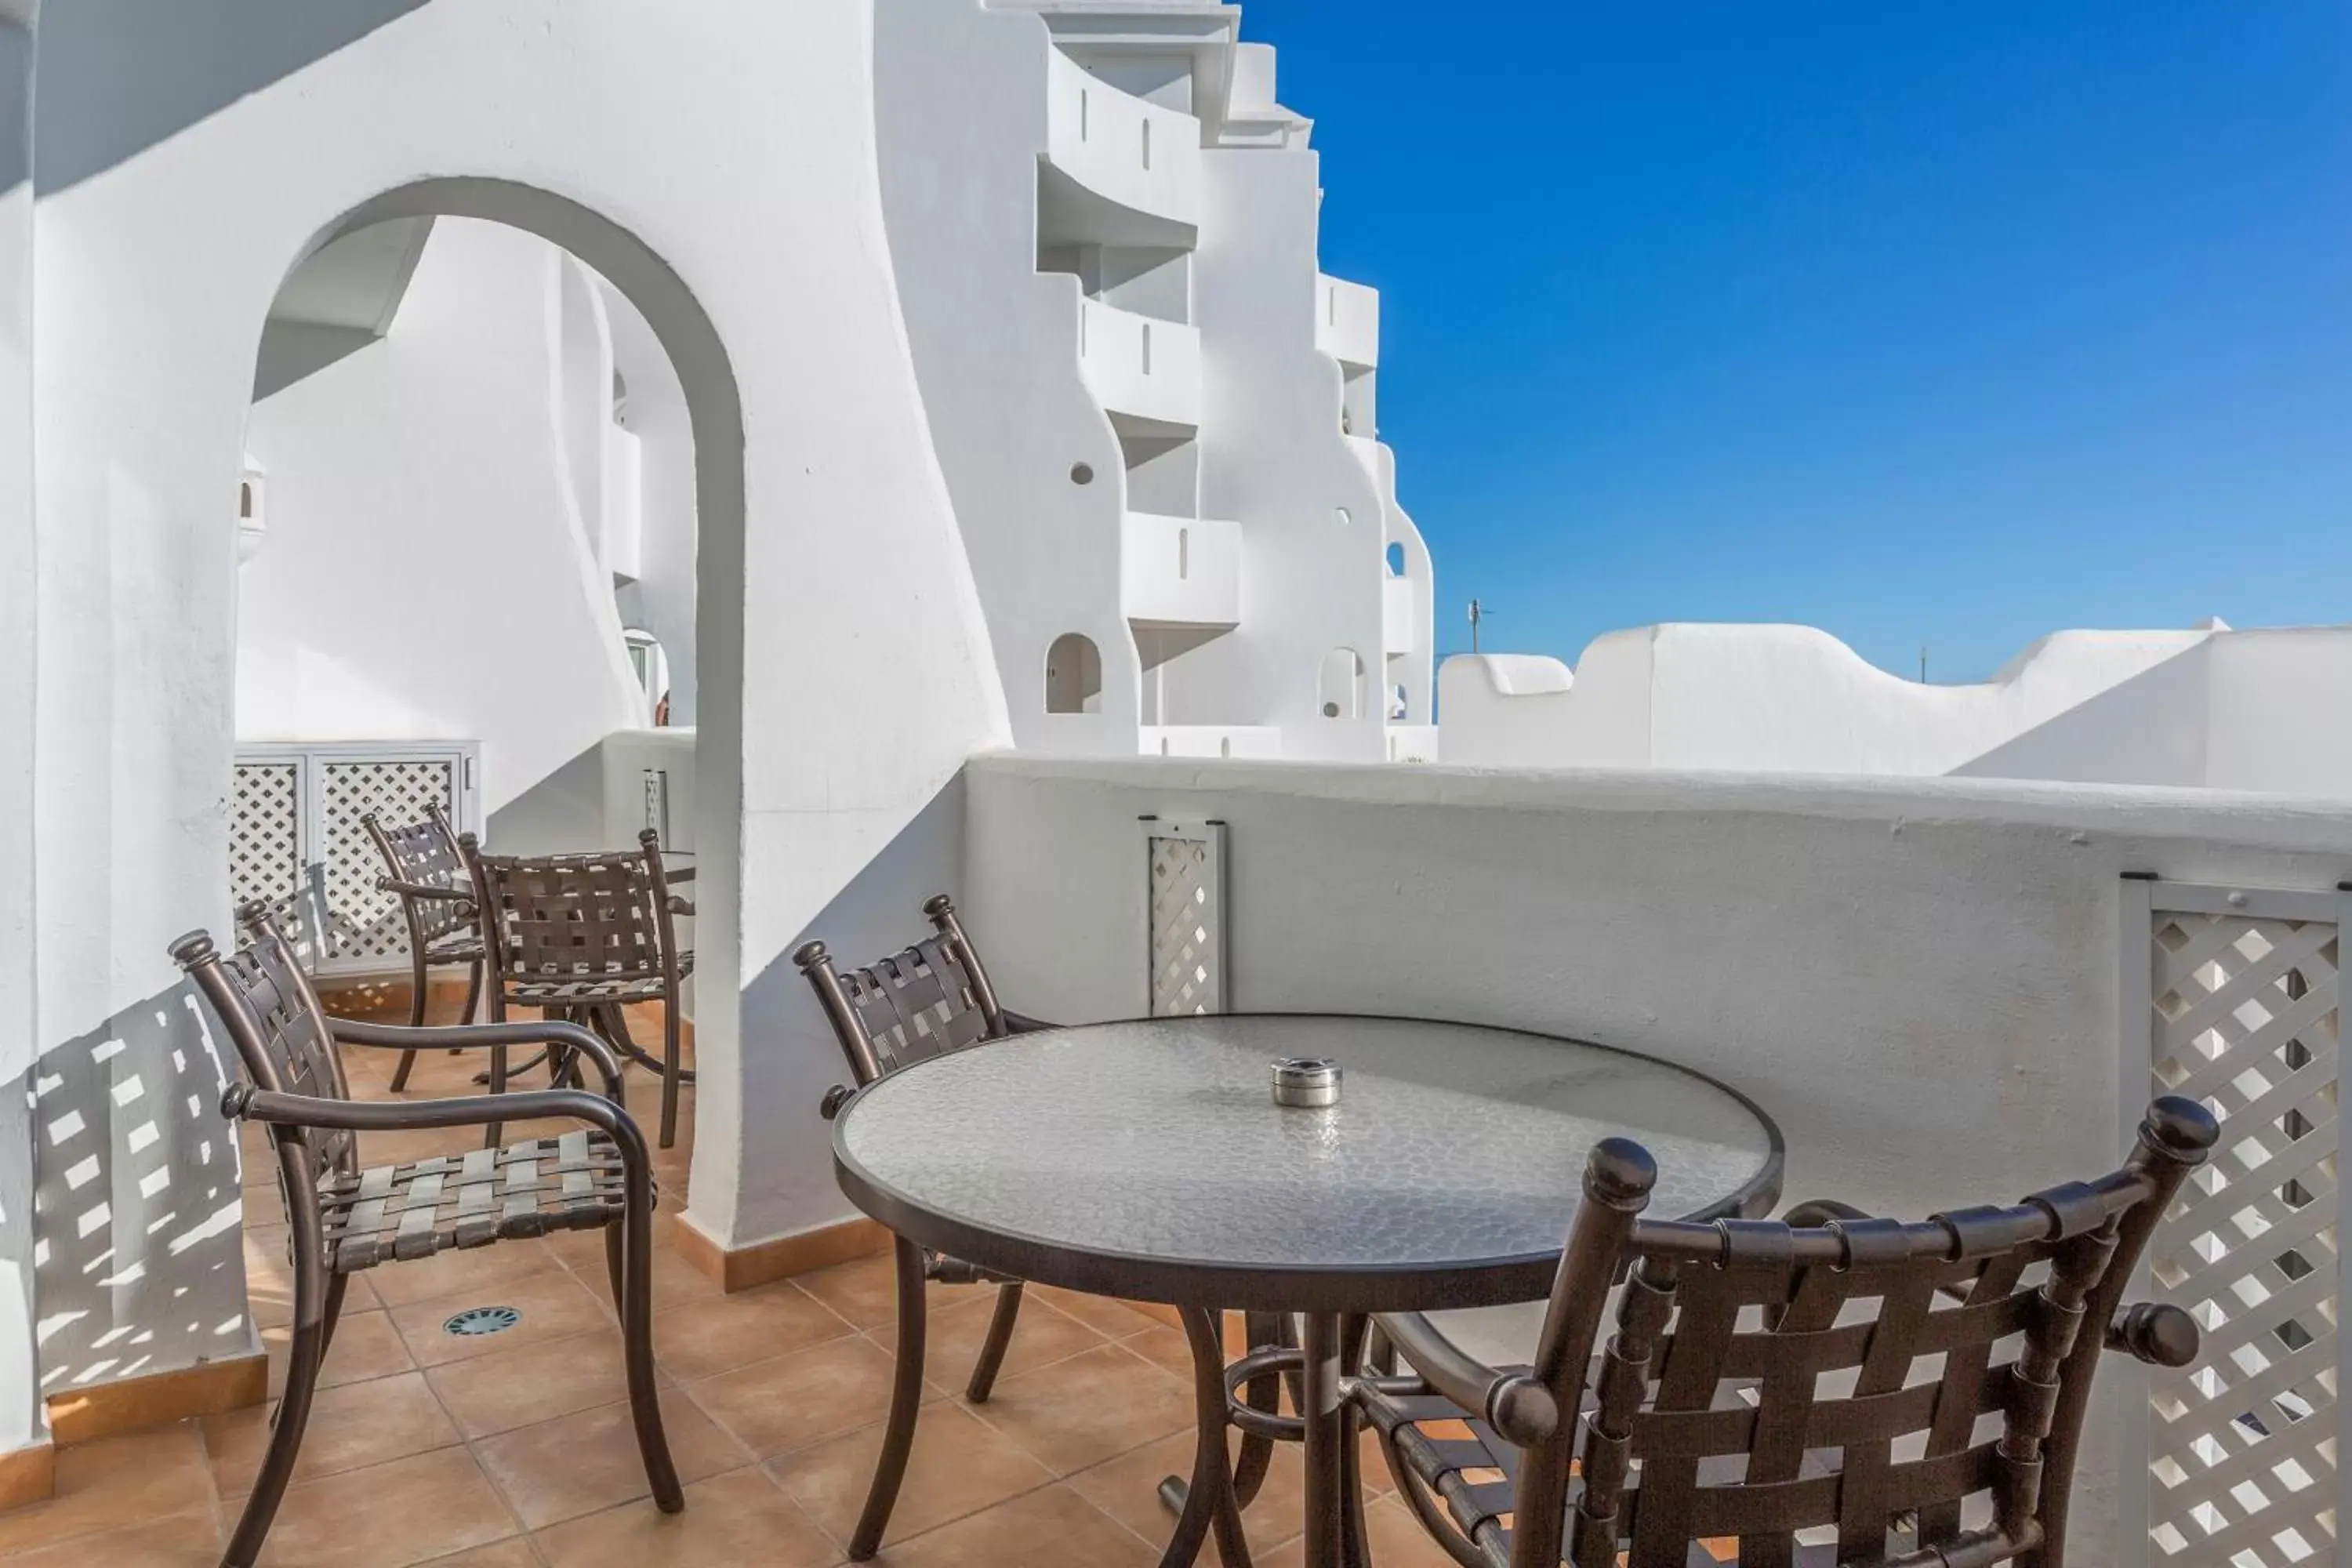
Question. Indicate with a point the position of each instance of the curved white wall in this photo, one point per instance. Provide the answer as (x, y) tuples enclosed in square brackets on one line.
[(430, 573), (962, 102), (756, 219)]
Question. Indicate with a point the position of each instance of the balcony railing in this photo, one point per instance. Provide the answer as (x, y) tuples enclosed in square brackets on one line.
[(1120, 149), (1140, 366), (1347, 322), (1182, 571)]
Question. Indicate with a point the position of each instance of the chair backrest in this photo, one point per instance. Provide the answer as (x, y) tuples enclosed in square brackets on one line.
[(1792, 1387), (425, 854), (274, 1018), (603, 916), (933, 998)]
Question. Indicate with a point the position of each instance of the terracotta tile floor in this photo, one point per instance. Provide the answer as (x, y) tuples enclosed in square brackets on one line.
[(515, 1451)]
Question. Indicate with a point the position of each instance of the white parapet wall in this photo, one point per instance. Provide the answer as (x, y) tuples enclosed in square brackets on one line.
[(1919, 980), (2213, 708), (2257, 710), (1771, 699)]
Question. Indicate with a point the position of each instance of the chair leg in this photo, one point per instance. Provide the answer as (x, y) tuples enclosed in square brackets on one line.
[(314, 1305), (416, 987), (473, 992), (498, 1086), (616, 1269), (670, 1065), (992, 1349), (637, 1345), (331, 1313), (906, 1404)]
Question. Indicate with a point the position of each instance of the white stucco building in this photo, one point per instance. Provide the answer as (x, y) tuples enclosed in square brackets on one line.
[(943, 404), (953, 376), (1156, 415)]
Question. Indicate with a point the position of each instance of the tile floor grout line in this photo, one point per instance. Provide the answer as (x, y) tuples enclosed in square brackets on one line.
[(490, 1480)]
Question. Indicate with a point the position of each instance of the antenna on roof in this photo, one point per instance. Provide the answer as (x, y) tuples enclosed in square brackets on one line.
[(1478, 613), (1923, 664)]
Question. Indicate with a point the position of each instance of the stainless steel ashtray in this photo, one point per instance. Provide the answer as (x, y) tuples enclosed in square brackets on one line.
[(1307, 1083)]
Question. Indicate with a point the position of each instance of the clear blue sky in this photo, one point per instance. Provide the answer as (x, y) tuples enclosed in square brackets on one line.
[(1947, 323)]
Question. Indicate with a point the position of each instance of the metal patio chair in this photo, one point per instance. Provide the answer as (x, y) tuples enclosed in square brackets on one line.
[(1829, 1388), (933, 998), (583, 937), (343, 1219), (424, 867)]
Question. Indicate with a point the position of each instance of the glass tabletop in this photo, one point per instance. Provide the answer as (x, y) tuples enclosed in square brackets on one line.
[(1148, 1159)]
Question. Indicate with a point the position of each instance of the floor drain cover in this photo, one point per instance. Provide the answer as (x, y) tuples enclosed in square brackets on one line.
[(478, 1320)]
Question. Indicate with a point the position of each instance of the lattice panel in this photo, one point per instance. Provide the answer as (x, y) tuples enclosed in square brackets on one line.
[(264, 834), (1187, 922), (2246, 1016), (369, 928)]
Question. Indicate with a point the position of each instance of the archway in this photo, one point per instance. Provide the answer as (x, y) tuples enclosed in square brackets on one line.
[(539, 802)]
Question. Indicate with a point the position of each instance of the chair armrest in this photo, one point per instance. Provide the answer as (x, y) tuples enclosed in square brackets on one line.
[(1022, 1024), (422, 890), (678, 873), (678, 906), (1514, 1403), (242, 1102), (2157, 1334), (469, 1036)]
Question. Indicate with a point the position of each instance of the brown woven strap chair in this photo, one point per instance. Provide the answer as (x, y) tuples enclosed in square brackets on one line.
[(424, 869), (583, 937), (931, 999), (1837, 1390), (344, 1218)]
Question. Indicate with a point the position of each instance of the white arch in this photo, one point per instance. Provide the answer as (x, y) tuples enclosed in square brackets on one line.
[(157, 271)]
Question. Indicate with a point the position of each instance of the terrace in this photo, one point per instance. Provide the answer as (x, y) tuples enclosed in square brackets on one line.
[(1944, 993)]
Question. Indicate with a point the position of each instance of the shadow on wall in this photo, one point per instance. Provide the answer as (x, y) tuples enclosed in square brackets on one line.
[(135, 1165), (787, 1176), (193, 62)]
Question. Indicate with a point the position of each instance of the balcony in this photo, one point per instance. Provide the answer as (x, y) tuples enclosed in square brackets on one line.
[(1176, 570), (1347, 322), (1925, 1039), (1117, 170), (1140, 367)]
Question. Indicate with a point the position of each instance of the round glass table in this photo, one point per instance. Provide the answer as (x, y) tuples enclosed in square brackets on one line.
[(1148, 1160)]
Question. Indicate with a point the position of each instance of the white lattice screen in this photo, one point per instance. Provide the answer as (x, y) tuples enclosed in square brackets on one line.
[(296, 823), (1187, 881), (2235, 996), (265, 842)]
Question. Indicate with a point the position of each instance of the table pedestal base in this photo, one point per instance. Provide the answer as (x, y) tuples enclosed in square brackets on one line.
[(1332, 1347)]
